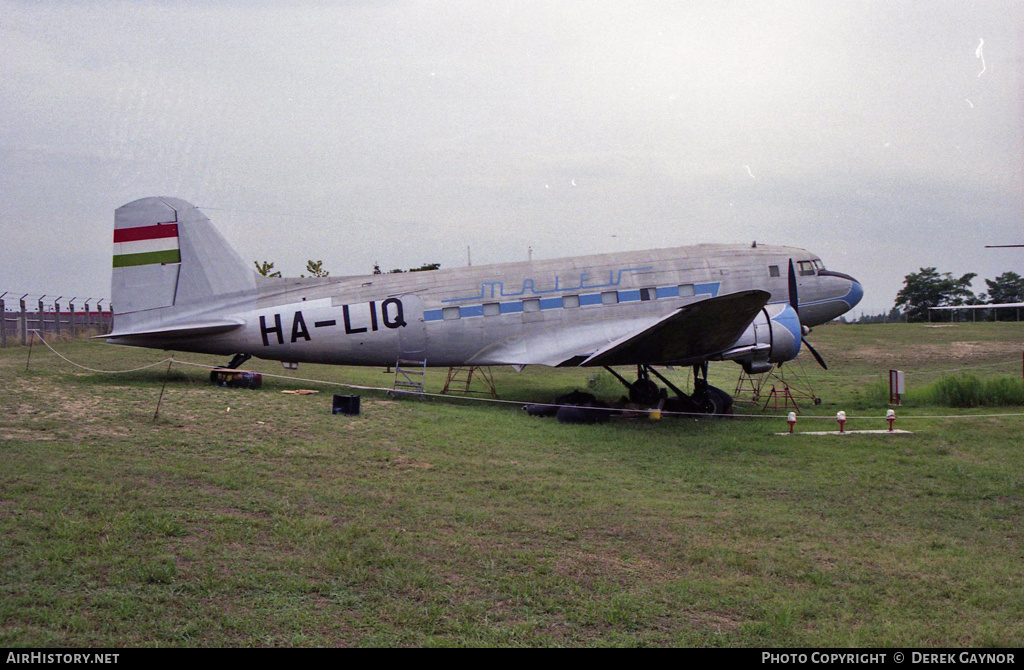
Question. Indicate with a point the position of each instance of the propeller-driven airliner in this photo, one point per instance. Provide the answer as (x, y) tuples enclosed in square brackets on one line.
[(178, 285)]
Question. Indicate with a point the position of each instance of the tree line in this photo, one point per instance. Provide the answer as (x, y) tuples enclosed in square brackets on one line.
[(316, 269), (929, 288)]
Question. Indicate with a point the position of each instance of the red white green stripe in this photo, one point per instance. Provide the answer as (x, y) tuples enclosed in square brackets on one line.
[(146, 245)]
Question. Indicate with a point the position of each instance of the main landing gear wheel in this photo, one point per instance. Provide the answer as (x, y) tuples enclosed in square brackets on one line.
[(724, 400), (705, 399), (714, 400)]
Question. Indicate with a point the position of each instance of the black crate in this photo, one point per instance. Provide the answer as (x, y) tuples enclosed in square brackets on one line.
[(346, 404)]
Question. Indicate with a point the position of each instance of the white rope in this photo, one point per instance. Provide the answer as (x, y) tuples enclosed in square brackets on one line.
[(84, 367), (606, 409), (522, 403)]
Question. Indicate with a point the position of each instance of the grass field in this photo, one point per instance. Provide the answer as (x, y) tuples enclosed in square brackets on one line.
[(240, 517)]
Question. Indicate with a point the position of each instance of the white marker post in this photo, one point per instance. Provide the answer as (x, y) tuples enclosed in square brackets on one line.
[(897, 386)]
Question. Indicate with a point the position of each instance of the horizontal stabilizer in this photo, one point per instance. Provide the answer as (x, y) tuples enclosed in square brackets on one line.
[(181, 330), (696, 331)]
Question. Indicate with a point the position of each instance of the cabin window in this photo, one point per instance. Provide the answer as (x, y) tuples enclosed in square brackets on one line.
[(806, 268), (773, 270), (531, 305), (451, 313), (686, 290), (492, 309), (609, 297), (648, 294), (570, 301)]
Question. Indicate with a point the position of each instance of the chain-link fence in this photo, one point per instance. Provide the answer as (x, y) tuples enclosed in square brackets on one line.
[(52, 316)]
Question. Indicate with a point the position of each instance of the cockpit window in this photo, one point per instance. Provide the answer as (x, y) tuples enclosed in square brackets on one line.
[(806, 268), (818, 265)]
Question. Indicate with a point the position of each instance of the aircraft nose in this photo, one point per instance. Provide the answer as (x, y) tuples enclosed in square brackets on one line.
[(840, 293), (855, 294)]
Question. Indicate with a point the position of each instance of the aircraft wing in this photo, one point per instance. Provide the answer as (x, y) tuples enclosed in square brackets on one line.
[(695, 331)]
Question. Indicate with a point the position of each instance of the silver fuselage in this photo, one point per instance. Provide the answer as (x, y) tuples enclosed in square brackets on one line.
[(510, 313)]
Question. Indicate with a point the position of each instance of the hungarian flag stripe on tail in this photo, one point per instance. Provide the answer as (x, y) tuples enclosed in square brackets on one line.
[(146, 245)]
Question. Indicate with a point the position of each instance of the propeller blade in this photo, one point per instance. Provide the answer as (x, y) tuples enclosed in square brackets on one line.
[(794, 302), (814, 352)]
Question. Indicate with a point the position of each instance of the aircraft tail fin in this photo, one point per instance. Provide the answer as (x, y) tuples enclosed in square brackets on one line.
[(169, 260)]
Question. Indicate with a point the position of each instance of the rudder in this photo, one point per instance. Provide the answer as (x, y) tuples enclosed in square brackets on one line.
[(167, 256)]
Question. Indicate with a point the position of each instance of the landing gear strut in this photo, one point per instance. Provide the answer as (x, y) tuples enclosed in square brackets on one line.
[(237, 360), (231, 376), (643, 391), (705, 399)]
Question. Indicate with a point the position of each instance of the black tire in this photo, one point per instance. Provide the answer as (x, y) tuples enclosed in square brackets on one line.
[(644, 392), (574, 414), (576, 397), (722, 401)]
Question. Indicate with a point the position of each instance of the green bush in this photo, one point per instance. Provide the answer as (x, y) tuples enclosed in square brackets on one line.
[(969, 391), (1005, 391)]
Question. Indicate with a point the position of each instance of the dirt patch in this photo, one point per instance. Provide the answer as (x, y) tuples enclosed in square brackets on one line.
[(939, 354), (25, 434), (718, 622), (402, 461)]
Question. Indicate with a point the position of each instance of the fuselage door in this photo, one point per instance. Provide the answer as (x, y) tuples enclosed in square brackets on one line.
[(412, 337)]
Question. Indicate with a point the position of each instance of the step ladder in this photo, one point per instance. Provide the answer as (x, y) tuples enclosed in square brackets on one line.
[(748, 387), (779, 386), (410, 375), (461, 377), (785, 395)]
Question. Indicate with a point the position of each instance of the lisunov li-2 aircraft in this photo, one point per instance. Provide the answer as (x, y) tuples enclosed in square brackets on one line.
[(178, 285)]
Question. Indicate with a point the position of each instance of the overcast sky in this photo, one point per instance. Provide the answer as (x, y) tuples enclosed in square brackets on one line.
[(884, 136)]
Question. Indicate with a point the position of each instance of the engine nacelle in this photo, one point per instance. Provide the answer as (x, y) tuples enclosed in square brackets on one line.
[(772, 337)]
